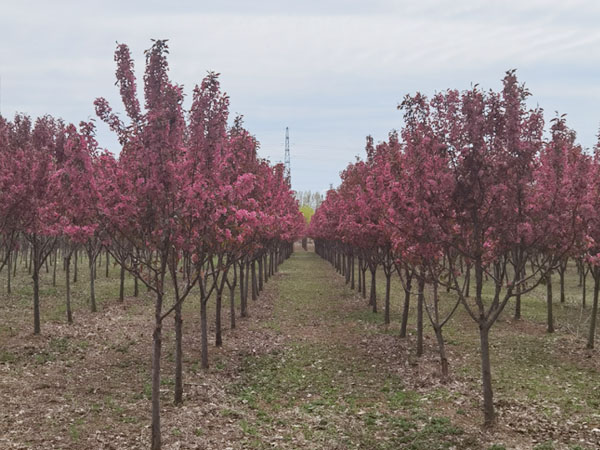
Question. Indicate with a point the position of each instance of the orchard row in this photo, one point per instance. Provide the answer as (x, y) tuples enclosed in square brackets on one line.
[(469, 198), (187, 205)]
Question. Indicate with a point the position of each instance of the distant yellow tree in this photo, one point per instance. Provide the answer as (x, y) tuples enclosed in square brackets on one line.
[(308, 212)]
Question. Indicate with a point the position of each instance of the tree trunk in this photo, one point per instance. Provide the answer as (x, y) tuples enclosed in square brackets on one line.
[(388, 282), (266, 266), (592, 334), (442, 351), (243, 311), (518, 301), (157, 347), (405, 309), (352, 273), (373, 296), (583, 288), (107, 262), (92, 281), (36, 289), (550, 321), (232, 297), (178, 354), (364, 281), (260, 274), (359, 275), (468, 286), (16, 257), (420, 299), (204, 333), (254, 282), (232, 306), (68, 285), (122, 284), (349, 268), (486, 377), (218, 304), (8, 272), (561, 274), (246, 285), (54, 268), (75, 265)]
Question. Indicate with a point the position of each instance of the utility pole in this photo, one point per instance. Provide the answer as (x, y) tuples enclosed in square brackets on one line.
[(286, 162)]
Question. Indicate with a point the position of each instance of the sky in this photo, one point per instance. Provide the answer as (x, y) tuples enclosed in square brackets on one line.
[(332, 71)]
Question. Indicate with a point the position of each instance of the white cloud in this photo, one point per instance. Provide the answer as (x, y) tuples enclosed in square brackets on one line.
[(333, 71)]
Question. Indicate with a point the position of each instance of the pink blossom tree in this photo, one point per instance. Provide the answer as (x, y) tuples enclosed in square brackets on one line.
[(184, 202), (467, 189), (141, 215), (559, 196), (74, 186), (39, 220), (13, 138)]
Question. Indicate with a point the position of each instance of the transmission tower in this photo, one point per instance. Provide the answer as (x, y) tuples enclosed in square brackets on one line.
[(288, 173)]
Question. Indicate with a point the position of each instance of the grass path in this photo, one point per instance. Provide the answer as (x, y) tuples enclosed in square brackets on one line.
[(311, 368), (342, 380), (331, 385)]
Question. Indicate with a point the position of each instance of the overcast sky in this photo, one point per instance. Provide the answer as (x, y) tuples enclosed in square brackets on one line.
[(332, 71)]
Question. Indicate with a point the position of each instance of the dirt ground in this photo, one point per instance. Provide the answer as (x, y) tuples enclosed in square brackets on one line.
[(311, 367)]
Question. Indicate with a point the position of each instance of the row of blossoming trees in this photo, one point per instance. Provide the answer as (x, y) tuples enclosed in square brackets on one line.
[(468, 199), (187, 207)]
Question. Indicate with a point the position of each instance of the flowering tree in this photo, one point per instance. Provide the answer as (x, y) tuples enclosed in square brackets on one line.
[(186, 200), (472, 185), (206, 166), (490, 136), (559, 196), (141, 215), (13, 138), (592, 239), (74, 185), (39, 220), (419, 212)]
